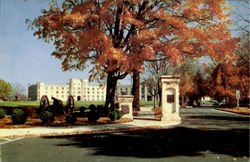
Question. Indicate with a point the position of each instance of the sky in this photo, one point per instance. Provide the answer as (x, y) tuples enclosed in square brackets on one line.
[(25, 59)]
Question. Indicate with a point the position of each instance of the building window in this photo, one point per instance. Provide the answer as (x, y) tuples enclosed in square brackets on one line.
[(57, 92)]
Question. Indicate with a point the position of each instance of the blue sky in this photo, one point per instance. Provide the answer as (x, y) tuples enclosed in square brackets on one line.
[(24, 58)]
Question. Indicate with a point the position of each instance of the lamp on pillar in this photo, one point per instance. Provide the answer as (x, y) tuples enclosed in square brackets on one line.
[(170, 98)]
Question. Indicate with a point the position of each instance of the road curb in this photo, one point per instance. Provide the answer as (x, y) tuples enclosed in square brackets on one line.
[(235, 113)]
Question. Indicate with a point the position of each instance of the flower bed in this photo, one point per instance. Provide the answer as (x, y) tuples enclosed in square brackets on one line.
[(35, 121)]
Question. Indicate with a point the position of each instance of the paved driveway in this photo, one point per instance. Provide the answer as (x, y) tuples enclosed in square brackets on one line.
[(205, 135)]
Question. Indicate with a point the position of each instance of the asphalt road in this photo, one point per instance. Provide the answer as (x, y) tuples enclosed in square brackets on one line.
[(204, 135)]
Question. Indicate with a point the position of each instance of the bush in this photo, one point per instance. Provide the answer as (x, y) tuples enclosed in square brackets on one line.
[(92, 107), (82, 110), (116, 115), (47, 117), (30, 111), (2, 113), (38, 111), (18, 116), (71, 119), (120, 114), (93, 115), (113, 116), (102, 110)]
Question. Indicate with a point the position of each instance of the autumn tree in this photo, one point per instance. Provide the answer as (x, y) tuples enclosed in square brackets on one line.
[(117, 36), (224, 82), (5, 89), (193, 29), (227, 77), (201, 85)]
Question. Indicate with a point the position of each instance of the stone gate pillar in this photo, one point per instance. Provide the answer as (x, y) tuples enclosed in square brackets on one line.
[(126, 105), (170, 98)]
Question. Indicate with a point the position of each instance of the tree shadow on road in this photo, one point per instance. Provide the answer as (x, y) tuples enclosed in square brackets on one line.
[(164, 142)]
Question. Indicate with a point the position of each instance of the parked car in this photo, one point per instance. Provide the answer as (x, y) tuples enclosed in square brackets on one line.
[(207, 103), (210, 103)]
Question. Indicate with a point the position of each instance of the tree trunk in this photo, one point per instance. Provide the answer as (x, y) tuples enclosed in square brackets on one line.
[(186, 100), (154, 100), (159, 94), (110, 91), (182, 101), (136, 90)]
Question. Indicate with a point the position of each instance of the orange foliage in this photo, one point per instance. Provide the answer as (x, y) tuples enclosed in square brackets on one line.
[(120, 35), (225, 80)]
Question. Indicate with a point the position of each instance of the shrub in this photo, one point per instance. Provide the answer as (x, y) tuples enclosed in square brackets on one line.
[(93, 115), (102, 110), (18, 116), (82, 110), (113, 116), (47, 117), (120, 114), (2, 113), (92, 107), (30, 111), (38, 111), (71, 119)]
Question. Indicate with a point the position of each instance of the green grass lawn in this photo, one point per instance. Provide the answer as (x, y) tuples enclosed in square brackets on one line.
[(37, 103), (19, 103), (77, 103)]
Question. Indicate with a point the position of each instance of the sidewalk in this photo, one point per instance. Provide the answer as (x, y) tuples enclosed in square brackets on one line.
[(85, 129)]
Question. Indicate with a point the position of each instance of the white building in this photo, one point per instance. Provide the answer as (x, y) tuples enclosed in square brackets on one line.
[(144, 93), (80, 90)]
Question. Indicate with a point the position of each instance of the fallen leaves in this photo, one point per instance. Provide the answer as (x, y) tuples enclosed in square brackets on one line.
[(244, 111)]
